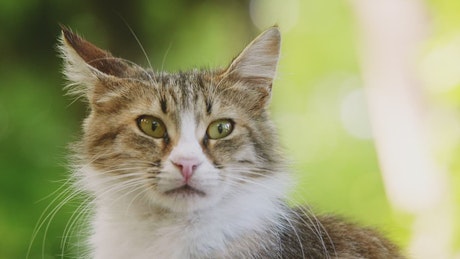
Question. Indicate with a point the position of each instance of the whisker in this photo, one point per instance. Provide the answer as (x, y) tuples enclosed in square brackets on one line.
[(138, 42), (295, 232), (50, 218), (165, 55), (44, 217), (75, 217)]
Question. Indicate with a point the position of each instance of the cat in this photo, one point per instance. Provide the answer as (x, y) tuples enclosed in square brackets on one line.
[(188, 164)]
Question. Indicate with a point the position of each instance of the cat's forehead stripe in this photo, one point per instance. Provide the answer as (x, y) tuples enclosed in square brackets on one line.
[(163, 105), (208, 106), (208, 100)]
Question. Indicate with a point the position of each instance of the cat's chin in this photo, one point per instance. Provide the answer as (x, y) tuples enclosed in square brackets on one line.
[(185, 191), (186, 199)]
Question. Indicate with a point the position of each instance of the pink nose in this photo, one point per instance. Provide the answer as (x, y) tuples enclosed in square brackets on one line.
[(187, 167)]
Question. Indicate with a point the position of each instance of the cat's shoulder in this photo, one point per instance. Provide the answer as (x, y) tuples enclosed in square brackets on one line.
[(334, 236)]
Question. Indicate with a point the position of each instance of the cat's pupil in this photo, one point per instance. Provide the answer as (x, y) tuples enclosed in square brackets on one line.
[(220, 128), (154, 125)]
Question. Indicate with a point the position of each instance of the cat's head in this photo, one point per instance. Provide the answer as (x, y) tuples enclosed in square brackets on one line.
[(181, 141)]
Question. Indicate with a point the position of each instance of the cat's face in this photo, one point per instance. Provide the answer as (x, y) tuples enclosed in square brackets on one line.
[(180, 141)]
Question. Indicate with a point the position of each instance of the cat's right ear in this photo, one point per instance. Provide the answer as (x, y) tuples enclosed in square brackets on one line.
[(85, 64)]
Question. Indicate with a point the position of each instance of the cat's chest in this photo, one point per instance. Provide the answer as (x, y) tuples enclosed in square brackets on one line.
[(188, 240), (165, 239)]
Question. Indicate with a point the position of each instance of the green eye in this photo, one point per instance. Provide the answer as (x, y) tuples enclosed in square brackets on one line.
[(220, 129), (151, 126)]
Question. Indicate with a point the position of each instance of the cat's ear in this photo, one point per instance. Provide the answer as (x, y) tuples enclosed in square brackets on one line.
[(85, 64), (257, 63)]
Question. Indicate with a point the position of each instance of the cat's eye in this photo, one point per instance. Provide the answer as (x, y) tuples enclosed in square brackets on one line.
[(151, 126), (220, 129)]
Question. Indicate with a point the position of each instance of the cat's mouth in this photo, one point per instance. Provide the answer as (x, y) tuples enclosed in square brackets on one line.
[(186, 190)]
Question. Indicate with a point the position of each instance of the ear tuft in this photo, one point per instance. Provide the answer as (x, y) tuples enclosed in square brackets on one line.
[(257, 63), (80, 75)]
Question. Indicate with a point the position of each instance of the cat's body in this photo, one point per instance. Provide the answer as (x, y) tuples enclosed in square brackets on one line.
[(187, 165)]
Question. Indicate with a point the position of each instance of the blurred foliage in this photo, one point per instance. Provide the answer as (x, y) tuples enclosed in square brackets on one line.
[(336, 171)]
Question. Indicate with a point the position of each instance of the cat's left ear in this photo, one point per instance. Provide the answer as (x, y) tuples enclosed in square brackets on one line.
[(257, 63)]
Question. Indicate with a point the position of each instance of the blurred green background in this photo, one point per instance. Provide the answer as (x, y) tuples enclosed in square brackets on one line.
[(335, 163)]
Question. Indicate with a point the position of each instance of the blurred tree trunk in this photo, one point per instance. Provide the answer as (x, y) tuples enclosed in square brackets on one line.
[(391, 33)]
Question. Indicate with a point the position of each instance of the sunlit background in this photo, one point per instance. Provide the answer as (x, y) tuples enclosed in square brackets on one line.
[(367, 102)]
